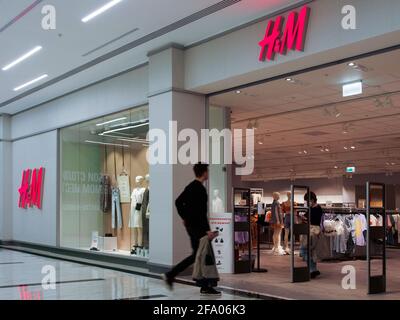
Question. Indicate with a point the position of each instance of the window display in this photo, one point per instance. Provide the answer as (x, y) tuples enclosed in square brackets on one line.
[(101, 160)]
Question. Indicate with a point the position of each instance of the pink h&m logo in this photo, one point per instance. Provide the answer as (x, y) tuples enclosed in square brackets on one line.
[(26, 294), (292, 38), (31, 189)]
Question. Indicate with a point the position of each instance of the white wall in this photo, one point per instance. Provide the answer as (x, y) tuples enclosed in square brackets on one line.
[(232, 60), (34, 225), (5, 178), (113, 95)]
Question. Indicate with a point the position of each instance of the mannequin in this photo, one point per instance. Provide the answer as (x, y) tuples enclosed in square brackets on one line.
[(217, 205), (286, 218), (277, 224), (146, 211), (136, 221)]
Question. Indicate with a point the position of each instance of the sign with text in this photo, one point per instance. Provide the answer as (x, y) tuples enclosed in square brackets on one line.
[(223, 244), (31, 189), (279, 37)]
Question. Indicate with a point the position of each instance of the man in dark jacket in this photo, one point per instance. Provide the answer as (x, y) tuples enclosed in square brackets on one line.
[(192, 206)]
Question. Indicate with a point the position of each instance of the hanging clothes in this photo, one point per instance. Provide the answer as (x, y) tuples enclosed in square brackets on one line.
[(360, 225), (105, 193), (116, 212)]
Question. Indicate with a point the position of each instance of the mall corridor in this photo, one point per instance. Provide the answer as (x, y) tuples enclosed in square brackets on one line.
[(21, 278)]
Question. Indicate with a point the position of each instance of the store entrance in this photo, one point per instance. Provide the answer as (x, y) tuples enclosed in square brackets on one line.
[(333, 130)]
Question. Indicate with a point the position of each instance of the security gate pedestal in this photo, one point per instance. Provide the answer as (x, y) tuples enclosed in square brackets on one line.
[(376, 237), (301, 230)]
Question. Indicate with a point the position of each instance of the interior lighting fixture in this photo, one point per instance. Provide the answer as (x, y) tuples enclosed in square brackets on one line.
[(30, 82), (111, 121), (126, 128), (22, 58), (100, 10), (238, 92), (107, 144), (352, 89)]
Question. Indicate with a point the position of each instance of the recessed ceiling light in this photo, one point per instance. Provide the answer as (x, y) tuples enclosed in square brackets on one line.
[(238, 91), (345, 148), (111, 121), (327, 149), (335, 167), (353, 147), (30, 82), (22, 58), (126, 128), (107, 144), (352, 89), (101, 10), (289, 79), (352, 64), (260, 142)]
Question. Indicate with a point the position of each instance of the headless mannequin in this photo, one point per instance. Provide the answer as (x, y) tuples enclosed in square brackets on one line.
[(217, 204), (277, 228), (286, 212), (136, 221), (146, 211)]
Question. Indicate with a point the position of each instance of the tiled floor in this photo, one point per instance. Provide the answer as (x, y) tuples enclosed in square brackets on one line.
[(21, 278), (328, 286)]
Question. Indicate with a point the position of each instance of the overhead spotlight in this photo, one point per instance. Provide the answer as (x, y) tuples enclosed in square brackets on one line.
[(289, 79), (378, 103), (255, 125), (327, 112), (353, 147), (346, 128), (336, 167), (305, 151), (352, 64), (238, 92), (336, 112), (388, 102), (345, 148), (327, 149)]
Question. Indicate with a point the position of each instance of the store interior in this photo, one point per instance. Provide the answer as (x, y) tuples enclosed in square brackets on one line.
[(332, 129), (105, 184)]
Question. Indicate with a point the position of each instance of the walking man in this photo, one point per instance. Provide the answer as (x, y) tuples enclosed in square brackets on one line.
[(192, 207)]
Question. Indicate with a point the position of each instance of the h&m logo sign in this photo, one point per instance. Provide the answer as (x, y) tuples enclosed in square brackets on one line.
[(31, 189), (279, 39)]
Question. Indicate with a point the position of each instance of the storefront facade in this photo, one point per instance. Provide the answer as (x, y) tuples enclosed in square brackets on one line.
[(171, 86)]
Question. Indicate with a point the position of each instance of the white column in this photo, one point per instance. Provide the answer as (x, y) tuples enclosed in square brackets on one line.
[(5, 178), (168, 102)]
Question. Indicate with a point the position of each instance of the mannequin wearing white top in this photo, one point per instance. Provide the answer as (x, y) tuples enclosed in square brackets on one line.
[(136, 221), (217, 205)]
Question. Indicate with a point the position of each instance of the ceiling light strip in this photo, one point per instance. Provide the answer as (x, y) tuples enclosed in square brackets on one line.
[(111, 121), (147, 38), (126, 128), (22, 58), (31, 82), (101, 10), (107, 144)]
